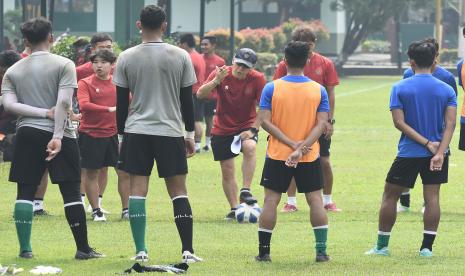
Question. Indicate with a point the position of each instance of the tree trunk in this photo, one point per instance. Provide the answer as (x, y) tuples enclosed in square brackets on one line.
[(283, 12)]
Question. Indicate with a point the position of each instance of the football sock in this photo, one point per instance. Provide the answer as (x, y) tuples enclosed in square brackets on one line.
[(208, 140), (264, 239), (321, 236), (83, 198), (428, 239), (100, 198), (23, 220), (197, 145), (76, 217), (405, 199), (246, 191), (292, 200), (38, 204), (183, 218), (137, 220), (327, 200), (383, 239)]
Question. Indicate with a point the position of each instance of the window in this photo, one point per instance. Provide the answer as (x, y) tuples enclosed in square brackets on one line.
[(62, 5), (84, 6), (77, 15)]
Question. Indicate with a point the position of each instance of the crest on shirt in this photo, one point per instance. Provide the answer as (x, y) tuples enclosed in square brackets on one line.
[(319, 71), (248, 90), (226, 88)]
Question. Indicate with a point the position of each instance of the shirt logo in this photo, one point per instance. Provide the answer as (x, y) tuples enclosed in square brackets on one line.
[(226, 87), (318, 71)]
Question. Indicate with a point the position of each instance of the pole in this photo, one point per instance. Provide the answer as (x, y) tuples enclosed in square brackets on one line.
[(2, 20), (438, 21), (202, 19), (23, 6), (128, 21), (398, 42), (51, 10), (231, 35), (168, 14), (43, 8)]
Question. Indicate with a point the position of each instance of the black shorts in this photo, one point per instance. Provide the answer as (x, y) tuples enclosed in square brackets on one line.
[(28, 165), (199, 109), (462, 137), (325, 145), (139, 150), (97, 153), (209, 108), (277, 176), (221, 146), (404, 171)]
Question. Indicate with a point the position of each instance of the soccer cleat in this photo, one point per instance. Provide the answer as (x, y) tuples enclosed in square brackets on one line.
[(331, 207), (206, 148), (98, 216), (92, 254), (26, 255), (425, 252), (189, 258), (125, 215), (402, 209), (381, 252), (231, 215), (264, 258), (289, 208), (322, 257), (104, 211), (142, 256), (247, 197), (41, 212)]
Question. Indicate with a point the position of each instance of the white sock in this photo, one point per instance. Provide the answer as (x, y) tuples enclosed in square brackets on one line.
[(292, 200), (38, 205), (208, 140), (197, 146), (83, 199), (100, 202), (327, 199)]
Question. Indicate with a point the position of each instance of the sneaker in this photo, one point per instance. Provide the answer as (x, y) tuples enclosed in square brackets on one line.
[(142, 256), (402, 209), (98, 216), (104, 211), (231, 215), (92, 254), (247, 197), (206, 148), (425, 252), (381, 252), (189, 258), (289, 208), (41, 212), (125, 215), (322, 257), (264, 258), (26, 255), (331, 207)]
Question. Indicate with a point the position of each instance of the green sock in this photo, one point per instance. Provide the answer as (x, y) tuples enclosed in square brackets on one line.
[(23, 220), (321, 236), (383, 239), (137, 219)]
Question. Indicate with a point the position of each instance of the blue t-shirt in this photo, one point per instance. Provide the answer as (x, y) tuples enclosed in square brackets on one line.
[(267, 93), (424, 100), (440, 73)]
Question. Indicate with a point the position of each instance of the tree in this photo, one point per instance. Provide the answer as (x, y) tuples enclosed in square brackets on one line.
[(365, 17), (285, 6)]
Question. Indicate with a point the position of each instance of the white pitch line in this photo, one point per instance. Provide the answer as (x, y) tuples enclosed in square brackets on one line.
[(362, 90)]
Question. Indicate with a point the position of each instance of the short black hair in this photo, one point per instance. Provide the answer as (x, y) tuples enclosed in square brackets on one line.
[(8, 58), (36, 30), (106, 55), (296, 54), (100, 37), (152, 17), (303, 33), (423, 53), (189, 39), (433, 41), (211, 39)]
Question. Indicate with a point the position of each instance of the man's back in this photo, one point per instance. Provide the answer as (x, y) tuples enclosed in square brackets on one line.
[(155, 73), (424, 100), (440, 73), (46, 73)]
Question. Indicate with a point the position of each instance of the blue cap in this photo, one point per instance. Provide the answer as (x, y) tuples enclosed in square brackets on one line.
[(245, 56)]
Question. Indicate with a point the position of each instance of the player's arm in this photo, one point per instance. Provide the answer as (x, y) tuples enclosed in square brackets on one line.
[(264, 116), (209, 86), (332, 105), (450, 119), (187, 112), (122, 107), (85, 104)]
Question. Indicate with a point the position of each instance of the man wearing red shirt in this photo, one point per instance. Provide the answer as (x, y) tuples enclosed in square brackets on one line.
[(212, 60), (321, 70), (187, 42), (238, 89)]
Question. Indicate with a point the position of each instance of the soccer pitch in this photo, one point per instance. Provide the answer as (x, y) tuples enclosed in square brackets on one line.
[(364, 146)]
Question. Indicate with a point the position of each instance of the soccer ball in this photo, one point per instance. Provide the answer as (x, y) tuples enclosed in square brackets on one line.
[(248, 213)]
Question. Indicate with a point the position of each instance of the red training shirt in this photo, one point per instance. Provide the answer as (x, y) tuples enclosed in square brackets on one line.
[(236, 102), (95, 96), (318, 68), (199, 67)]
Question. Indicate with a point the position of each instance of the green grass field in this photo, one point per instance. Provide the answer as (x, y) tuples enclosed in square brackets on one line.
[(364, 145)]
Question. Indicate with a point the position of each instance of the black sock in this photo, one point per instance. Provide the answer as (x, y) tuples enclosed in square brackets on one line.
[(125, 210), (264, 239), (76, 217), (183, 218), (405, 200), (428, 240)]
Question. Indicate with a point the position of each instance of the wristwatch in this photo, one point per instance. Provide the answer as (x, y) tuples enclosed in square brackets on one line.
[(332, 121), (254, 130)]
